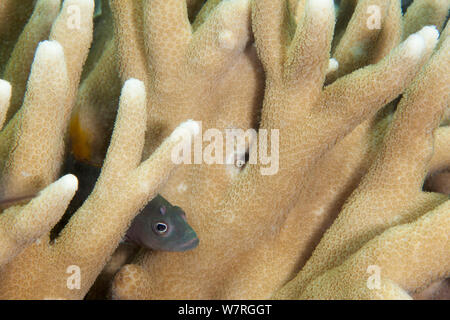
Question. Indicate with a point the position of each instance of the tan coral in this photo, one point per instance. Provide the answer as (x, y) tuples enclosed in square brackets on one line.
[(19, 64), (5, 98), (422, 12), (330, 182), (43, 270), (255, 231), (96, 109), (183, 67), (374, 29), (20, 226), (232, 219), (424, 246), (38, 269), (390, 194), (27, 166)]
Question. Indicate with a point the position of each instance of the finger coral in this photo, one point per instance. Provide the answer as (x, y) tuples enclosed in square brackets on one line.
[(255, 209), (39, 271), (343, 105), (400, 167)]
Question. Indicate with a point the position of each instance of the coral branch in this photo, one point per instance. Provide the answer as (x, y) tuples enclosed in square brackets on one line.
[(425, 257), (336, 182), (31, 166), (373, 30), (5, 98), (19, 65), (425, 12), (22, 225), (399, 167), (296, 105), (95, 230)]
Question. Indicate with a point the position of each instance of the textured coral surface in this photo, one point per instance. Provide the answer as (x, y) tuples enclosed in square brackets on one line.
[(350, 99)]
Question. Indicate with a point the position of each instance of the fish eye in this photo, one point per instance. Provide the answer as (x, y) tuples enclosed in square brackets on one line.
[(160, 227)]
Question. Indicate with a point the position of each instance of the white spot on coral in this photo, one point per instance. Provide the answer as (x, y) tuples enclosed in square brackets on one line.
[(182, 187), (396, 218), (227, 40), (230, 218), (319, 211), (333, 65), (25, 174), (144, 185)]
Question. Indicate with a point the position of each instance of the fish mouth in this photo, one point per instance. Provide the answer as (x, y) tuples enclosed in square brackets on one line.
[(191, 244)]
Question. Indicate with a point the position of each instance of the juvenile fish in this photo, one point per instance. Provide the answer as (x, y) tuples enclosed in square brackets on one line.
[(159, 226), (162, 226)]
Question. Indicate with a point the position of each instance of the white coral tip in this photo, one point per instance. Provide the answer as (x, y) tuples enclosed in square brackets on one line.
[(82, 3), (321, 5), (49, 50), (415, 45), (430, 34), (134, 85), (333, 65), (5, 90), (69, 182)]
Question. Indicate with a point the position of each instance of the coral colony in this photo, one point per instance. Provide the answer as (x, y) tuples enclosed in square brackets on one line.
[(334, 185)]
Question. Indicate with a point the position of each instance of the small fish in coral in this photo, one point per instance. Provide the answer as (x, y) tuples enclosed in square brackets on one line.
[(159, 226), (162, 226)]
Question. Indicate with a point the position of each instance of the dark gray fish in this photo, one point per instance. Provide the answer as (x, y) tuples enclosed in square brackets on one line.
[(161, 226)]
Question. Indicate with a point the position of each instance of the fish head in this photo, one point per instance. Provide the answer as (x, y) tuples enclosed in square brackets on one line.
[(167, 229)]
